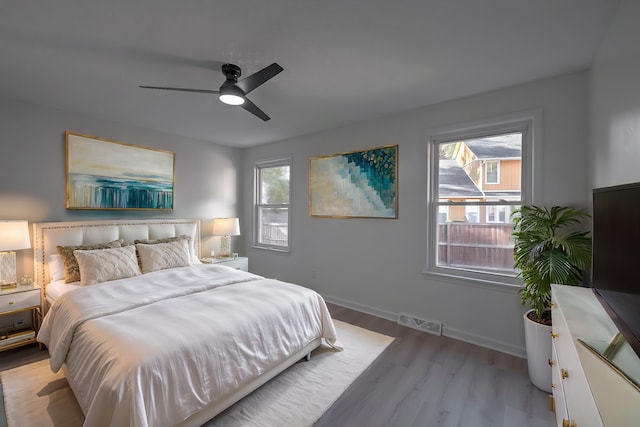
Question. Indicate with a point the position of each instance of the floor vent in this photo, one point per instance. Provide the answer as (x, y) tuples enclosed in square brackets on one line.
[(425, 325)]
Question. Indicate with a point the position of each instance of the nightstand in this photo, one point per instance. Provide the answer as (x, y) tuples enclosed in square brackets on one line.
[(240, 263), (17, 300)]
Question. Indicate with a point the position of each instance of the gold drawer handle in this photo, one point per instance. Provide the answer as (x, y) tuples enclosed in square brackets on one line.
[(10, 302), (551, 362), (554, 335), (565, 422), (553, 385), (564, 374)]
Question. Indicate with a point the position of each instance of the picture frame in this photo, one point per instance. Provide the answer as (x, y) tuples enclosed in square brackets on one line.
[(110, 175), (355, 184)]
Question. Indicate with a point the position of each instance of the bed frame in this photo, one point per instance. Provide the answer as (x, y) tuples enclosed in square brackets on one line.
[(48, 235)]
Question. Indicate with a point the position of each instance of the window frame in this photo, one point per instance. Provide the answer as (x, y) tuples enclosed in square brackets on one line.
[(257, 188), (477, 212), (497, 219), (486, 172), (446, 214), (530, 124)]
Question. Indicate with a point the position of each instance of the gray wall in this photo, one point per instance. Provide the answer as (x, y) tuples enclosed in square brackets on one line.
[(615, 102), (377, 265), (32, 171)]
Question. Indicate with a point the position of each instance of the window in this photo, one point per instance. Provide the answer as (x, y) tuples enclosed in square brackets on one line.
[(472, 213), (475, 242), (443, 214), (493, 172), (500, 214), (272, 213)]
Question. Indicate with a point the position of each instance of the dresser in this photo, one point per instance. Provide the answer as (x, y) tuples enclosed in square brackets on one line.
[(14, 301), (587, 392)]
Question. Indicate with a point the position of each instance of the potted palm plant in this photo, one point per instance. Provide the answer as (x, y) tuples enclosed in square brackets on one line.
[(549, 247)]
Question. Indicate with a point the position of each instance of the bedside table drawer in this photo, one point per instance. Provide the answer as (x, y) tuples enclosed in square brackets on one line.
[(19, 300), (240, 263)]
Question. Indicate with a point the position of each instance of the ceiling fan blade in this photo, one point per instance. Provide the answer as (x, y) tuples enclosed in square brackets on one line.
[(253, 109), (259, 77), (180, 89)]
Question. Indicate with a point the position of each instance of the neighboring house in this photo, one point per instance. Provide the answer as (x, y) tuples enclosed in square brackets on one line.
[(481, 170)]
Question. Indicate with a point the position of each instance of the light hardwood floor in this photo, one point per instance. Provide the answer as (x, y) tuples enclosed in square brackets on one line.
[(421, 380)]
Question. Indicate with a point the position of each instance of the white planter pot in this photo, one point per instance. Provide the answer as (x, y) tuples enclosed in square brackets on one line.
[(538, 345)]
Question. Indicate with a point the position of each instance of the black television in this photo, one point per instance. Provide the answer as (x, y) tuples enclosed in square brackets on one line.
[(616, 257)]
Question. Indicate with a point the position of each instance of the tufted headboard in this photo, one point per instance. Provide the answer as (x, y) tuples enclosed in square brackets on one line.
[(48, 235)]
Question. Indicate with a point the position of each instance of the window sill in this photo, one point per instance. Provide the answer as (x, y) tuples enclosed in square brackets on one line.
[(272, 249), (509, 285)]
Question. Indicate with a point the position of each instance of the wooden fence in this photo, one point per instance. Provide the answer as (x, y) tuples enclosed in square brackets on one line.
[(484, 246)]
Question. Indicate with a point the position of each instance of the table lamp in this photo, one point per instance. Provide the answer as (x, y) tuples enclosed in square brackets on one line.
[(14, 236), (226, 227)]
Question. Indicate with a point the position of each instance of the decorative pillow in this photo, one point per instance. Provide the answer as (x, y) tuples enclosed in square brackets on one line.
[(156, 241), (165, 240), (71, 270), (103, 265), (56, 267), (161, 256)]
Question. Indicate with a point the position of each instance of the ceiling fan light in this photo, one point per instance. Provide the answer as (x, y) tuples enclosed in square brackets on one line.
[(231, 99)]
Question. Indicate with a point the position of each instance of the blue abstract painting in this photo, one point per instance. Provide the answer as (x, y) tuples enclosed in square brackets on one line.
[(358, 184), (103, 174)]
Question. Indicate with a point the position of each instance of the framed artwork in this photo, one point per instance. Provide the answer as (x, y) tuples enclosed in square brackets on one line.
[(103, 174), (358, 184)]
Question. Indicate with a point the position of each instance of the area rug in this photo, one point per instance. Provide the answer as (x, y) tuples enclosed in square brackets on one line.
[(34, 396)]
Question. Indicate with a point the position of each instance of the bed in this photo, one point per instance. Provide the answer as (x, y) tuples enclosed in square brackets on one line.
[(172, 346)]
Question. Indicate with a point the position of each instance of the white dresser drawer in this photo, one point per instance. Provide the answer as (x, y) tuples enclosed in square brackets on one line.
[(19, 300), (557, 389), (572, 313)]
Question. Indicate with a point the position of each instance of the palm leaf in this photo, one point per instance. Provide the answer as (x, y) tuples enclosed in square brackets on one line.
[(548, 249)]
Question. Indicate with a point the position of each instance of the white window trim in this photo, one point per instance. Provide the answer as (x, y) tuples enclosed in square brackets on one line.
[(528, 121), (446, 213), (486, 172), (281, 161), (497, 214), (487, 214)]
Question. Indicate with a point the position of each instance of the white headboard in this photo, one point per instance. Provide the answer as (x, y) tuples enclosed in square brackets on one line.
[(48, 235)]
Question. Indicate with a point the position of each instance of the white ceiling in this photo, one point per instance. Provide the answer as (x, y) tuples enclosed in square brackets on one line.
[(344, 61)]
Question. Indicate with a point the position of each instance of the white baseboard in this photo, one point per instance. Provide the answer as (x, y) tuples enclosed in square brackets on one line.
[(362, 308), (483, 341), (447, 331)]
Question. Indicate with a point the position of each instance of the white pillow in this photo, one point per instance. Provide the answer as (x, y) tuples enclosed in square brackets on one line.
[(103, 265), (164, 255), (56, 267)]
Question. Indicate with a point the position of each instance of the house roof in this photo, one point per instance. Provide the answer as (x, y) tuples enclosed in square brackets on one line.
[(495, 149), (454, 181)]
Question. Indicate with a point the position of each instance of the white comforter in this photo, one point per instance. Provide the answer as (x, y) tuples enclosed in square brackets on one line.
[(154, 349)]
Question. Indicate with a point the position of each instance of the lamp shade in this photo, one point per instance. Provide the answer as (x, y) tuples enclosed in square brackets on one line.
[(14, 235), (226, 227)]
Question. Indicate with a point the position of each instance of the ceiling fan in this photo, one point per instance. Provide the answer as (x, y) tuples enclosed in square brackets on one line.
[(234, 92)]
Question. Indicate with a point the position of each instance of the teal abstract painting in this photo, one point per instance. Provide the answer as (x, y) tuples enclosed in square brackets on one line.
[(103, 174), (358, 184)]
